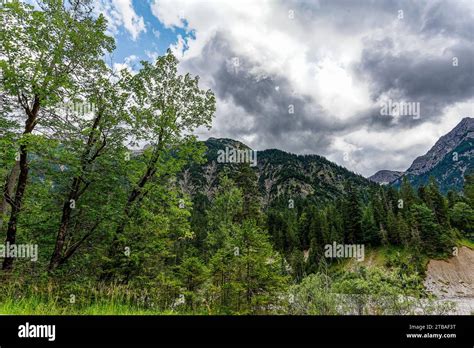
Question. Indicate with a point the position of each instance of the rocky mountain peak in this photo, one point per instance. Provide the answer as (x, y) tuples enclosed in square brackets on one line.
[(447, 143), (385, 177)]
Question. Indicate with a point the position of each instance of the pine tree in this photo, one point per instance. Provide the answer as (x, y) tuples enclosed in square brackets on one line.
[(392, 228), (369, 227), (245, 271), (304, 227), (462, 218), (246, 181), (407, 194), (453, 198), (424, 195), (403, 230), (438, 203), (192, 273), (431, 233), (379, 206), (352, 216), (297, 263), (469, 189)]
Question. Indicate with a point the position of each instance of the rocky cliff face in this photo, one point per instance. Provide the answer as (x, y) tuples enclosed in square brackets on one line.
[(464, 131), (448, 161), (385, 177)]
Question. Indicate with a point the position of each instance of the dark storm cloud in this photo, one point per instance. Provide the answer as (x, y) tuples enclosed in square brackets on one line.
[(408, 59), (433, 81), (412, 74), (353, 16), (415, 75), (266, 102), (449, 18)]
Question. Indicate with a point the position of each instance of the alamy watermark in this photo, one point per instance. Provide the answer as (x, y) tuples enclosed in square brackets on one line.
[(336, 250), (79, 108), (232, 155), (37, 331), (401, 108), (20, 251)]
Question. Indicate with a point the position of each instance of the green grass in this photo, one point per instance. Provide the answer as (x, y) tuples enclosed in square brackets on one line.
[(374, 257), (38, 306), (468, 243), (379, 257), (49, 298)]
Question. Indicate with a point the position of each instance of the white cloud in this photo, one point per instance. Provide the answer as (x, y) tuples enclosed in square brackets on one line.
[(130, 63), (369, 150), (316, 52), (263, 34), (120, 13), (152, 55), (131, 59), (156, 33)]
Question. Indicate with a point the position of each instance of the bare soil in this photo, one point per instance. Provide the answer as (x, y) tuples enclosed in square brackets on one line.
[(453, 277), (453, 280)]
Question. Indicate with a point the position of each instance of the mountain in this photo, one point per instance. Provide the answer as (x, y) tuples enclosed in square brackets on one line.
[(448, 161), (283, 174), (278, 173), (385, 177)]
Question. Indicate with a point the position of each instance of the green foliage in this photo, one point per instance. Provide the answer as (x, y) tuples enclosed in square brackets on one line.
[(435, 239), (313, 296), (364, 291), (246, 274), (462, 218), (43, 49)]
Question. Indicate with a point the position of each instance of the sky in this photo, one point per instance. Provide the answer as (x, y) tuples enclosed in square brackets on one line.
[(315, 77)]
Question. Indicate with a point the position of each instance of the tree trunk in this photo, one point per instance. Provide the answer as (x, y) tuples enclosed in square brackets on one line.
[(65, 218), (132, 198), (12, 223), (137, 192), (8, 190), (135, 195), (22, 181), (75, 193)]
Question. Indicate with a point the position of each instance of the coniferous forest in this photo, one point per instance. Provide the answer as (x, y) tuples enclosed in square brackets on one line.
[(130, 212)]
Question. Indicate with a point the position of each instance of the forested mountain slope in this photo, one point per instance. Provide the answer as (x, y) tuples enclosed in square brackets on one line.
[(279, 174)]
